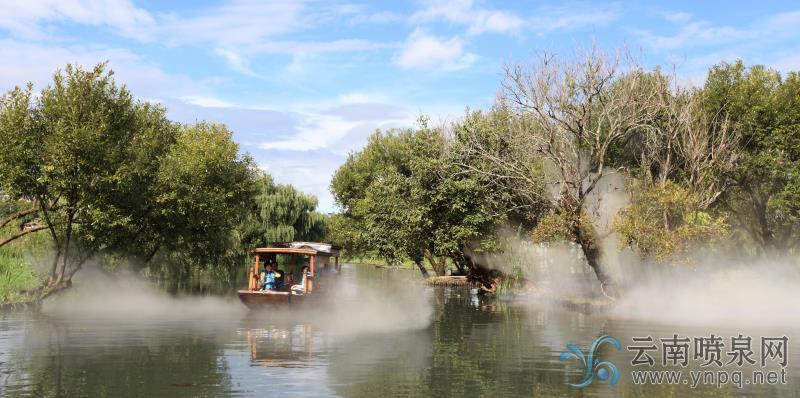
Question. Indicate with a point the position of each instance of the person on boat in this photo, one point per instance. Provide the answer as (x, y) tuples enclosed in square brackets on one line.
[(301, 287), (279, 279), (268, 278)]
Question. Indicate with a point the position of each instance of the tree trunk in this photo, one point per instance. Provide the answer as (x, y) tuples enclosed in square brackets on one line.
[(437, 266), (152, 253), (421, 268), (486, 279), (54, 267), (67, 238), (591, 251), (459, 262)]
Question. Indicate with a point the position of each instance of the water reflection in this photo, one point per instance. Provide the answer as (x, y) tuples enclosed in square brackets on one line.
[(471, 347), (54, 358), (292, 348)]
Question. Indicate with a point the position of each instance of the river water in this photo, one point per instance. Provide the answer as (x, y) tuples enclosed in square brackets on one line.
[(381, 339)]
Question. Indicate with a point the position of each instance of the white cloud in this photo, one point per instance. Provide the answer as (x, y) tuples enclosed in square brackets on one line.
[(380, 17), (236, 30), (206, 102), (24, 61), (423, 51), (235, 61), (239, 22), (242, 29), (786, 62), (27, 18), (678, 17), (339, 129), (700, 33), (573, 17), (316, 132), (323, 47), (359, 97), (465, 12), (695, 45)]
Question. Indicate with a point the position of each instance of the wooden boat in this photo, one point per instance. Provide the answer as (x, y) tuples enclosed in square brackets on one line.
[(310, 261)]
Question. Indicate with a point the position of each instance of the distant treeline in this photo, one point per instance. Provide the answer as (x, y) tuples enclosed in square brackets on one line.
[(111, 178), (707, 167)]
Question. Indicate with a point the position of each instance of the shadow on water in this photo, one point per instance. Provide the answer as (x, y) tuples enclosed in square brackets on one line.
[(368, 343)]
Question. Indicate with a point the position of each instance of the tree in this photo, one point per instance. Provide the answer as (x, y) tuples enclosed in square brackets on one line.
[(77, 152), (765, 108), (204, 190), (572, 113), (685, 159), (484, 150), (281, 213), (402, 198), (104, 173), (374, 191), (664, 223)]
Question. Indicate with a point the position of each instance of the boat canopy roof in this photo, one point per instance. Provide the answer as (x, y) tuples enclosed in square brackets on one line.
[(306, 248)]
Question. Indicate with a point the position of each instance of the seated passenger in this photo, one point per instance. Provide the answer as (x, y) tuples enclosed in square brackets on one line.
[(279, 280), (301, 287), (268, 278)]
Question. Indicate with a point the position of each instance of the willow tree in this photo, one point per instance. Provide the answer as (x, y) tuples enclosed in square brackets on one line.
[(571, 112), (279, 213)]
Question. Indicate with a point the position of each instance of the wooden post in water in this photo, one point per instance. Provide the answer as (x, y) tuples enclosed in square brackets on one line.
[(336, 263)]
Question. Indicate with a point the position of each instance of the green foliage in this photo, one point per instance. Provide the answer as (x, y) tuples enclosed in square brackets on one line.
[(663, 223), (483, 149), (205, 188), (84, 152), (16, 274), (765, 108), (345, 231), (403, 198), (281, 213), (553, 227), (112, 175)]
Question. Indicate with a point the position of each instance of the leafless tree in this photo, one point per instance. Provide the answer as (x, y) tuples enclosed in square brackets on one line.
[(571, 112), (682, 137)]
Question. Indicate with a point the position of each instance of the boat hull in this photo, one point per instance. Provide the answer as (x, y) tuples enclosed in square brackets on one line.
[(267, 299)]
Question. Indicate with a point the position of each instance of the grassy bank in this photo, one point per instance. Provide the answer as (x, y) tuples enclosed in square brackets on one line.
[(17, 273), (377, 261)]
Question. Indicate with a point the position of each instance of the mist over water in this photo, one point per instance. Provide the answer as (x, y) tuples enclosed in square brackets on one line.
[(714, 289), (759, 294), (381, 336), (346, 307), (129, 297)]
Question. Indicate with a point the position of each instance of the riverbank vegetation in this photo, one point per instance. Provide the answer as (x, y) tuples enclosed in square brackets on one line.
[(109, 179), (705, 167), (89, 174)]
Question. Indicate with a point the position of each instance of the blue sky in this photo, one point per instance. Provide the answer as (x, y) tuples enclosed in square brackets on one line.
[(302, 83)]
